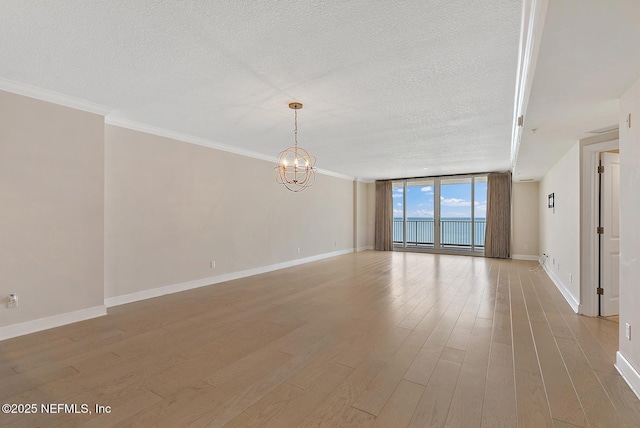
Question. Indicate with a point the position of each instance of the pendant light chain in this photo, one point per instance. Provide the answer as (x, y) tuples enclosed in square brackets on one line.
[(295, 130)]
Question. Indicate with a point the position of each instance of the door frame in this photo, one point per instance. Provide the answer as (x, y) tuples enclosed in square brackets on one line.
[(607, 301), (589, 188)]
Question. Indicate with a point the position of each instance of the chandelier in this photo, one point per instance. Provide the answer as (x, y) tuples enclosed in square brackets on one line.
[(295, 165)]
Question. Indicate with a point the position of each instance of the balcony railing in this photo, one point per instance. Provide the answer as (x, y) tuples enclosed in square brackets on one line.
[(455, 233)]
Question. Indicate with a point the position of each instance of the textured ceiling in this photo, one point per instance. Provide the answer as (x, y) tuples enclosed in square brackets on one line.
[(391, 88), (589, 56)]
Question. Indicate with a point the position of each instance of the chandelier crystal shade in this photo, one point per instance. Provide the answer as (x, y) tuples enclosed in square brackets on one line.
[(295, 169)]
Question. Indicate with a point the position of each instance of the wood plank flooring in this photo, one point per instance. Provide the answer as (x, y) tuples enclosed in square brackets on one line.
[(373, 339)]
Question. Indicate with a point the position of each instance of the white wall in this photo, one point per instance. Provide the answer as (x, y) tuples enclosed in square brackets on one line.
[(560, 226), (525, 214), (51, 209), (630, 232), (173, 207)]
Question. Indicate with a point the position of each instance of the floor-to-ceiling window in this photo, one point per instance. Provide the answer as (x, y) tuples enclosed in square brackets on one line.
[(414, 213), (480, 210), (397, 191), (440, 213)]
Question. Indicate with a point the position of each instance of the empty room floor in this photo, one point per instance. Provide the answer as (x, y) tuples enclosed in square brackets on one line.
[(384, 339)]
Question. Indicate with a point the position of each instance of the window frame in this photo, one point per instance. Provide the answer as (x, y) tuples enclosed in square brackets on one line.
[(438, 247)]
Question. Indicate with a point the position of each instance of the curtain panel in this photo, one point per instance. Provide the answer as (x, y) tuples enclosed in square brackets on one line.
[(497, 243), (384, 216)]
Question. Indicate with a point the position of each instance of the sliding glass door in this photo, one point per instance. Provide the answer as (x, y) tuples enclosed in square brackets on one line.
[(440, 213), (413, 224), (456, 204), (479, 211)]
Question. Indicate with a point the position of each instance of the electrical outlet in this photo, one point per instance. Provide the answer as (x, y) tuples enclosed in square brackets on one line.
[(212, 264), (570, 277), (526, 246), (627, 331), (298, 250), (12, 300)]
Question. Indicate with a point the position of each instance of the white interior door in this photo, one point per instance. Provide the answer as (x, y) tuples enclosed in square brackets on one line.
[(610, 239)]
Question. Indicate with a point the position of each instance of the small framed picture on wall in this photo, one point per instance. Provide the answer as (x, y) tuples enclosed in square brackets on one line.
[(552, 202)]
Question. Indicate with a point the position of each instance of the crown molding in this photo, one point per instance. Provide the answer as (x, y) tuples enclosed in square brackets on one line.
[(335, 174), (180, 136), (186, 138), (80, 104), (534, 14), (52, 97)]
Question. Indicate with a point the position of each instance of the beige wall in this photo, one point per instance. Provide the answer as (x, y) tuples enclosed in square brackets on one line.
[(560, 227), (630, 227), (371, 215), (365, 215), (526, 206), (83, 220), (173, 207), (51, 215)]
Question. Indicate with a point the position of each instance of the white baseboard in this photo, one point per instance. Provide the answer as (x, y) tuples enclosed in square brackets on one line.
[(19, 329), (628, 373), (368, 247), (183, 286), (564, 290), (525, 257)]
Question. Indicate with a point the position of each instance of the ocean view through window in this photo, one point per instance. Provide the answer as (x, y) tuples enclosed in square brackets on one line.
[(456, 222)]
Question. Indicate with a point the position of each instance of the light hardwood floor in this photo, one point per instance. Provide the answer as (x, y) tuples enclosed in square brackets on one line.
[(370, 339)]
